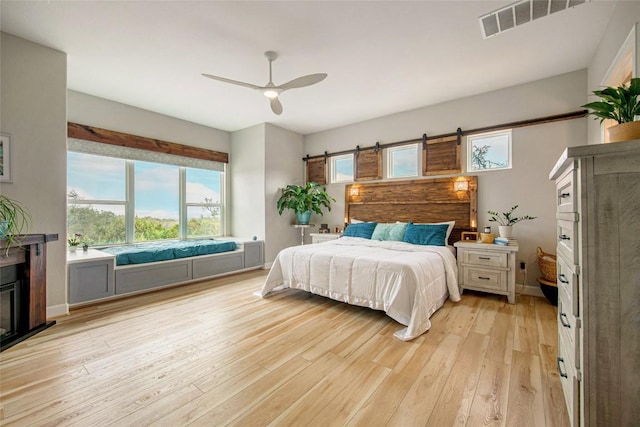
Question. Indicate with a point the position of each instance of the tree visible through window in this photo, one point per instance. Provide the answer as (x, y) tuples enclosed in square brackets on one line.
[(489, 151), (111, 201)]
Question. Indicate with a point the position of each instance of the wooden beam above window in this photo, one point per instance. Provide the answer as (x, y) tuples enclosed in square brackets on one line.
[(104, 136)]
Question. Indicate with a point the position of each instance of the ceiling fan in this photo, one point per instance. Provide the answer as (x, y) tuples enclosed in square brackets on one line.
[(272, 91)]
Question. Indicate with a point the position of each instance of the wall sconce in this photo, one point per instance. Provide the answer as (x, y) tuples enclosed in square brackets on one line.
[(354, 191), (461, 185)]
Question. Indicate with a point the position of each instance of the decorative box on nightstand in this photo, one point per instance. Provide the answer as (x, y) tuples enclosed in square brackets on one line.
[(487, 267), (323, 237)]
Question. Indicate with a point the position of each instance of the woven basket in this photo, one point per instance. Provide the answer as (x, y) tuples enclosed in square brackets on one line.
[(547, 264)]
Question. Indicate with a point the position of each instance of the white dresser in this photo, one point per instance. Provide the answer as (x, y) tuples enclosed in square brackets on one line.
[(598, 247)]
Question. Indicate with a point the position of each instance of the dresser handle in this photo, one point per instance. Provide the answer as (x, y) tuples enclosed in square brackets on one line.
[(564, 237), (484, 257), (563, 278), (484, 278), (562, 374), (562, 317), (565, 195)]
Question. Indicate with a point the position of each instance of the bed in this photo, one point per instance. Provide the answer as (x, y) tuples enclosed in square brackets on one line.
[(408, 278)]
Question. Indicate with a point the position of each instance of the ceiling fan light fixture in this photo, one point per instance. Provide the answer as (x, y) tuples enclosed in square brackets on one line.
[(271, 92)]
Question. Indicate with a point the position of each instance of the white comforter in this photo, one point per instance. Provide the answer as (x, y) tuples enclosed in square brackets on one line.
[(409, 282)]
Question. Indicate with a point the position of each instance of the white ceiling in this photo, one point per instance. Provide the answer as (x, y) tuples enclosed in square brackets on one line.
[(382, 57)]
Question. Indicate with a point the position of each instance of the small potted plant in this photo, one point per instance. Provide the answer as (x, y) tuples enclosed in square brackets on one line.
[(304, 199), (74, 241), (15, 220), (506, 220), (619, 104)]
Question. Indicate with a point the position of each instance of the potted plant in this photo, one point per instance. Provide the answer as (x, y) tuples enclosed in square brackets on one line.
[(15, 220), (619, 104), (304, 199), (74, 241), (506, 220)]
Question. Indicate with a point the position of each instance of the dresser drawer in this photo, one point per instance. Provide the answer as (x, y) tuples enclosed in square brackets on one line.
[(485, 258), (568, 240), (569, 381), (568, 284), (485, 278), (568, 326), (566, 192)]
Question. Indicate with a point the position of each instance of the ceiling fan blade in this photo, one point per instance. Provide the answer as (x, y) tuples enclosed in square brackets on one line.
[(235, 82), (276, 106), (303, 81)]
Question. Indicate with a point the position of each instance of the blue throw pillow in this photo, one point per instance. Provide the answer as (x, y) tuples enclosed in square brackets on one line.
[(363, 229), (426, 234)]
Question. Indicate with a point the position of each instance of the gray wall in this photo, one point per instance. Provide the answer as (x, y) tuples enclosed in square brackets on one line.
[(535, 150), (33, 96)]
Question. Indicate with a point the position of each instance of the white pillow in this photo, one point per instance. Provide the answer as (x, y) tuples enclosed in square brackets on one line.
[(356, 221)]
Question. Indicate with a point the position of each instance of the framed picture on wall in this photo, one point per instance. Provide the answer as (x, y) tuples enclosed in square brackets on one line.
[(5, 158)]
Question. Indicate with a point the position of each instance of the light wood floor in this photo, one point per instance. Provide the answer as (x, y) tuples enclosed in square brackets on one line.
[(214, 354)]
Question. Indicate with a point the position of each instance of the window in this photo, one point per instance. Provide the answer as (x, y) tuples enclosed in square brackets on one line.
[(113, 200), (342, 168), (203, 201), (402, 161), (489, 151)]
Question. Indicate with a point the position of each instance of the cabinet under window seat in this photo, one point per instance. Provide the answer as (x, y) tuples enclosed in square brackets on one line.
[(94, 275)]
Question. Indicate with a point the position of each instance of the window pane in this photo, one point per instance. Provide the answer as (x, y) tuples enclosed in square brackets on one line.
[(489, 151), (403, 161), (203, 186), (203, 221), (91, 177), (342, 168), (98, 224), (156, 201)]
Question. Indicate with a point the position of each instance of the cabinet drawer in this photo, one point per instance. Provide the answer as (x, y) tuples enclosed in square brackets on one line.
[(568, 284), (485, 258), (565, 192), (485, 278), (569, 382), (568, 240)]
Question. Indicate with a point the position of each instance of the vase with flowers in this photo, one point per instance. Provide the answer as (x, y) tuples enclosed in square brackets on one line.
[(506, 220)]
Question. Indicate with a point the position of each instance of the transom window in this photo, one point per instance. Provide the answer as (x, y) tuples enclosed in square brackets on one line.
[(402, 161), (112, 200), (489, 151), (342, 168)]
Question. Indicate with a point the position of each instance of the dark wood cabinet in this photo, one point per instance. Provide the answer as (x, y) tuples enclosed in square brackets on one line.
[(24, 303)]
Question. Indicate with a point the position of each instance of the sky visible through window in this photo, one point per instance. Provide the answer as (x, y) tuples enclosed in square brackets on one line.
[(156, 185), (404, 161), (343, 168)]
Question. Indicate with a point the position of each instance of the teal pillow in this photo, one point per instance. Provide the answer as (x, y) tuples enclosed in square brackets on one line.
[(426, 234), (363, 229), (389, 232)]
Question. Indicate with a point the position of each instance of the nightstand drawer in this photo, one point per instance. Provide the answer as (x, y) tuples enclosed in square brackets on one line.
[(485, 258), (485, 278)]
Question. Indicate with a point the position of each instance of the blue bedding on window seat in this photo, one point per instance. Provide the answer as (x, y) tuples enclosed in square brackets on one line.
[(141, 253)]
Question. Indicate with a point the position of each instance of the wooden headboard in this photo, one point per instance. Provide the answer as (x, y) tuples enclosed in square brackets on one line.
[(417, 201)]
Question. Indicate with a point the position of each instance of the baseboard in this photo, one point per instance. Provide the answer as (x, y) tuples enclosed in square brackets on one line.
[(529, 290), (267, 266), (57, 310)]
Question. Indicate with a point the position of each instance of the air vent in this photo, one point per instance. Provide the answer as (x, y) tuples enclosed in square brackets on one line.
[(520, 13)]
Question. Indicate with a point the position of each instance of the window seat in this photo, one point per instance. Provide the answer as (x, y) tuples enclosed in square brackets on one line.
[(94, 275)]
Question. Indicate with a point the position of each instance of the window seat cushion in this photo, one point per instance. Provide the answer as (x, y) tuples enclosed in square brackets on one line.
[(141, 253)]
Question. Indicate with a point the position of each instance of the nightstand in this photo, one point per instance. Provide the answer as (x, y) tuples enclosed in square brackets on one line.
[(487, 267), (324, 237)]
